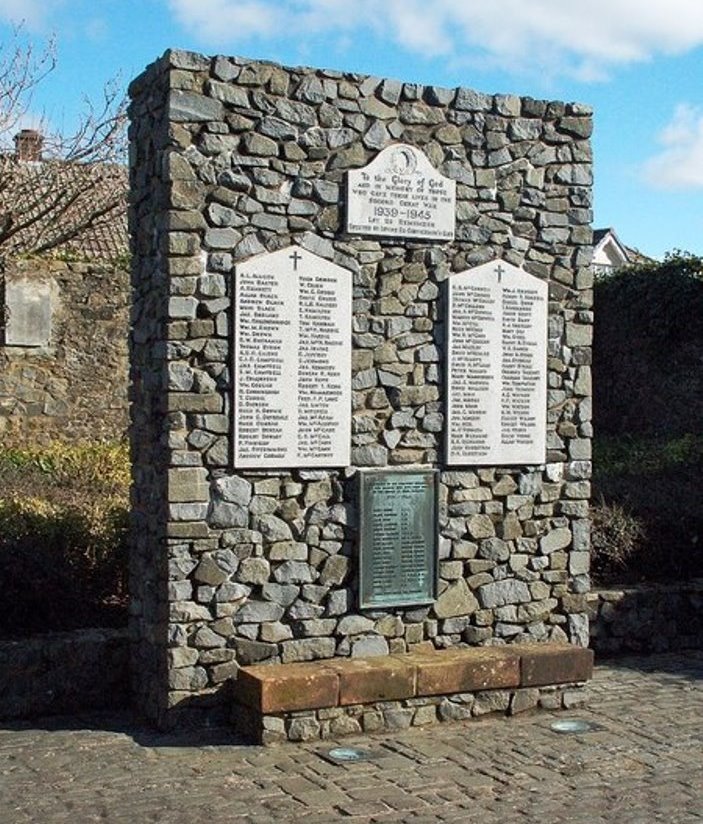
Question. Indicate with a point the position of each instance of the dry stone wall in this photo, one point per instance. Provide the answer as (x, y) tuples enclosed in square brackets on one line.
[(646, 618), (71, 383), (64, 672), (232, 158)]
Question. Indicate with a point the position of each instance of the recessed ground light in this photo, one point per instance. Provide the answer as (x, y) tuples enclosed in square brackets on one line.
[(573, 726), (348, 755)]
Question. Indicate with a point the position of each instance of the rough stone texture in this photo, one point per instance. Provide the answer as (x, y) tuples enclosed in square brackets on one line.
[(64, 672), (269, 171), (646, 618), (484, 677), (438, 676), (541, 665), (392, 715), (387, 677), (75, 386)]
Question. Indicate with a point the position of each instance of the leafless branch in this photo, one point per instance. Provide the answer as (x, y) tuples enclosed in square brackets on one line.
[(22, 68), (80, 183)]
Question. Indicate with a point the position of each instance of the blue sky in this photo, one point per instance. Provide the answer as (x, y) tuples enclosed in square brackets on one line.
[(639, 63)]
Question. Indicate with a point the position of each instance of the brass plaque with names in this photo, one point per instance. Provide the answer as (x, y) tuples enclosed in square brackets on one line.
[(397, 551)]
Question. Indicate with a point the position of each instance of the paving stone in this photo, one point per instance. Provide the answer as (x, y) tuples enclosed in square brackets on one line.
[(641, 766)]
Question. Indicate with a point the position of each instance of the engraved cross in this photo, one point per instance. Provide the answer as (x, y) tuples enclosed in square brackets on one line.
[(295, 257), (499, 270)]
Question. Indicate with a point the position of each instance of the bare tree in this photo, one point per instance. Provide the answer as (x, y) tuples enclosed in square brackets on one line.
[(56, 189)]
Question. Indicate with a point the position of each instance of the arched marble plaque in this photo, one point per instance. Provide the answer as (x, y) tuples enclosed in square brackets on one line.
[(496, 366), (400, 194), (292, 361)]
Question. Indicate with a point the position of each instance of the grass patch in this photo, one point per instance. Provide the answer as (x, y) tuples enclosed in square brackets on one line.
[(63, 537), (103, 464)]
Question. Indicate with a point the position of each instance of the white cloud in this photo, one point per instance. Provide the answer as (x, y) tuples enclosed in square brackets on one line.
[(679, 165), (30, 13), (96, 29), (222, 21), (583, 40)]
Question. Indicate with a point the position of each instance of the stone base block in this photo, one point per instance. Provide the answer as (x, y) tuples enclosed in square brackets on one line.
[(329, 698), (392, 716), (292, 687)]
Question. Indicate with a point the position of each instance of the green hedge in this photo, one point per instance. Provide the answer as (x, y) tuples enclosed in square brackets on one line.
[(648, 416), (648, 349)]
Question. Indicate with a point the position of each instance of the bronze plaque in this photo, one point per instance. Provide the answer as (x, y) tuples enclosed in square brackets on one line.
[(397, 555)]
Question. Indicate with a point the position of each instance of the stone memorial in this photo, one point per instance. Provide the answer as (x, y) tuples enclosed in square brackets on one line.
[(292, 350), (400, 194), (397, 548), (496, 366), (340, 305)]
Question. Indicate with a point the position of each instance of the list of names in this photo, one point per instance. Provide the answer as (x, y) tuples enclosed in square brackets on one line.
[(292, 361), (398, 538), (497, 367)]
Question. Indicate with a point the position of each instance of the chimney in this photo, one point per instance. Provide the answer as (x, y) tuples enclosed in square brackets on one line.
[(28, 145)]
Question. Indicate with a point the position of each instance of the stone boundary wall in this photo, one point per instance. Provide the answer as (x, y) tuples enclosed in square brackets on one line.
[(231, 158), (75, 387), (64, 672), (646, 618)]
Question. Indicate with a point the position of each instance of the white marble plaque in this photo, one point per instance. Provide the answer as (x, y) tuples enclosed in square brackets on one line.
[(28, 312), (400, 194), (292, 370), (496, 366)]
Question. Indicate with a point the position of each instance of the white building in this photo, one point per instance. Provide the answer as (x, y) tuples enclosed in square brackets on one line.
[(608, 253)]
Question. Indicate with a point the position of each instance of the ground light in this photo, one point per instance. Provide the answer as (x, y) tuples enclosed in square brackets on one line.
[(573, 726), (348, 755)]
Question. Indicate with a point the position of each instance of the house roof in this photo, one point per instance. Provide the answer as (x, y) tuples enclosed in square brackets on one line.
[(599, 234), (608, 250), (59, 207)]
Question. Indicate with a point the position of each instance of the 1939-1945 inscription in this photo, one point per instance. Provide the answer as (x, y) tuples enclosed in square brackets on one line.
[(400, 194)]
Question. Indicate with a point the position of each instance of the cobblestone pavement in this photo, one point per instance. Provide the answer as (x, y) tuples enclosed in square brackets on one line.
[(644, 764)]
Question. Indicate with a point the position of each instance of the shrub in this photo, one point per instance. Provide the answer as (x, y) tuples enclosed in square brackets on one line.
[(63, 537), (616, 537), (648, 522)]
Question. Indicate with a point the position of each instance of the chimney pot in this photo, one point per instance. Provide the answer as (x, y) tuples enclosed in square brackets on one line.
[(28, 145)]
